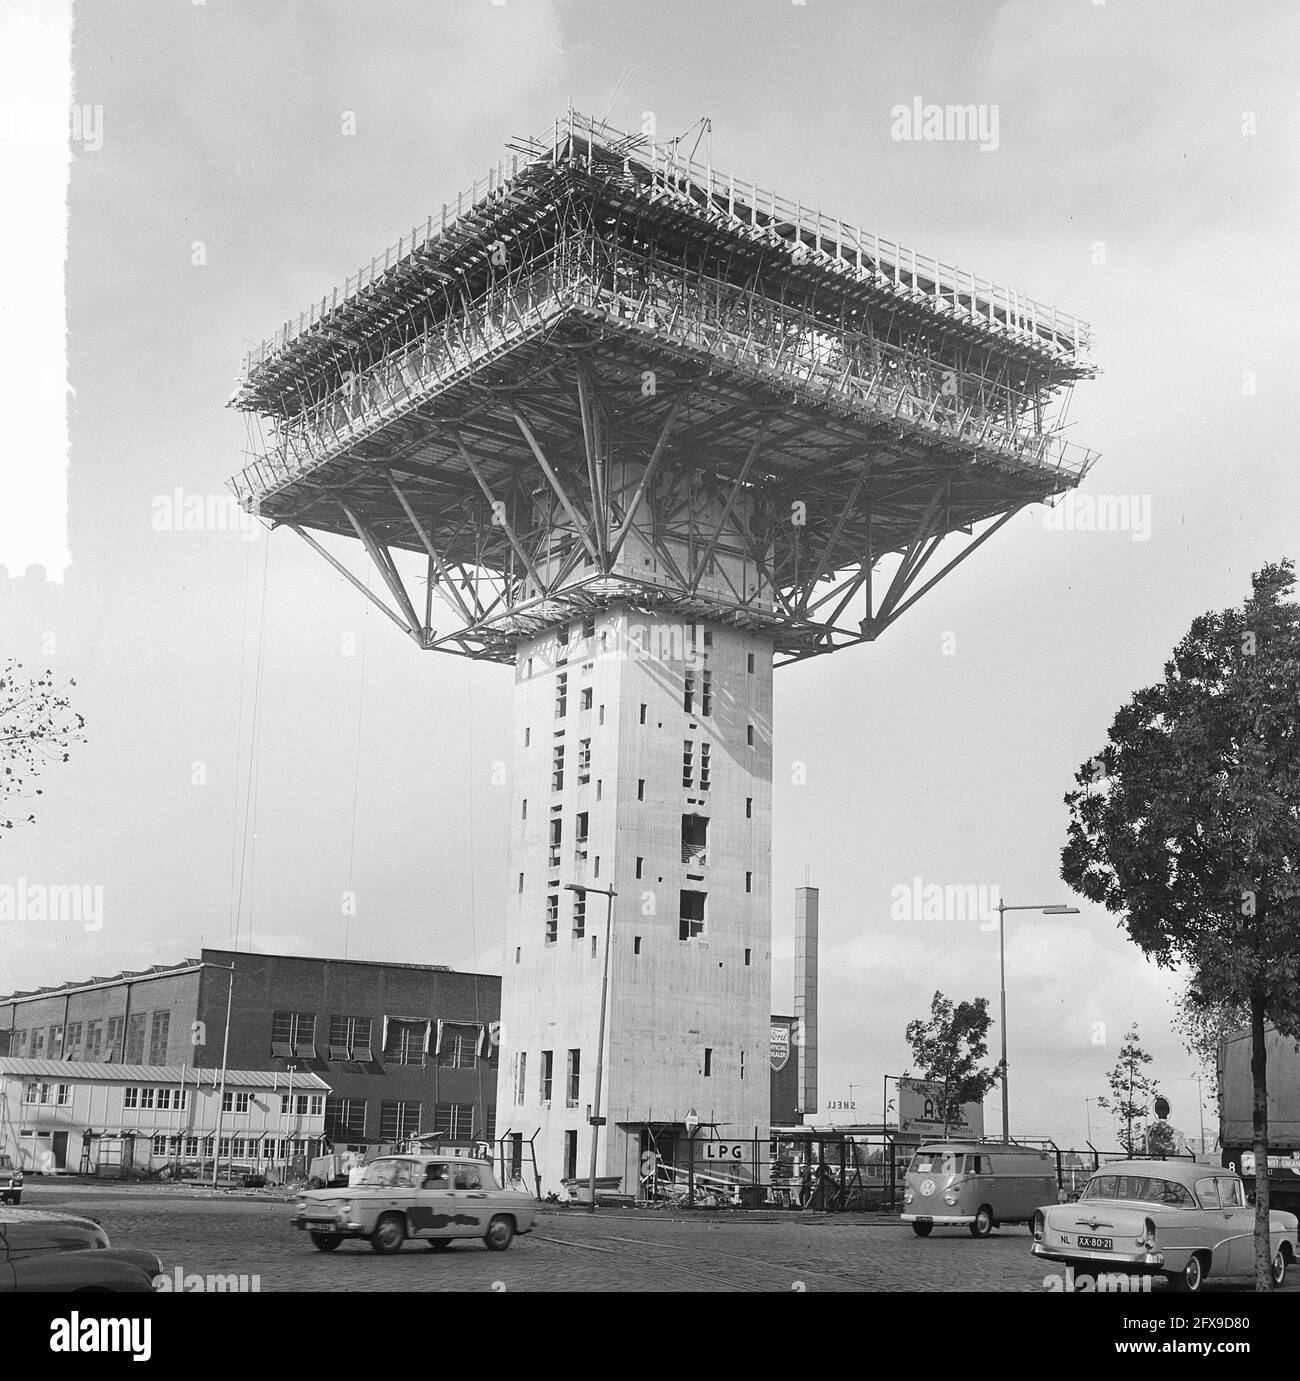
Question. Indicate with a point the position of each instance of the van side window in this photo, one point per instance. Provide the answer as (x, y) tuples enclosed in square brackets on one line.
[(977, 1165)]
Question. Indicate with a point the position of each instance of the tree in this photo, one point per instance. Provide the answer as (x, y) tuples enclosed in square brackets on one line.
[(37, 723), (949, 1048), (1130, 1088), (1201, 1024), (1188, 824)]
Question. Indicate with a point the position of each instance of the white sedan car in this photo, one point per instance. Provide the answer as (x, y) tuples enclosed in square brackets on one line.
[(1176, 1218)]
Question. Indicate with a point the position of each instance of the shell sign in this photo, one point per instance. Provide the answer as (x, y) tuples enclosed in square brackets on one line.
[(780, 1047)]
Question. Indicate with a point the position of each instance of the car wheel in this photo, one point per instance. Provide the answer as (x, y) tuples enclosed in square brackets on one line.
[(389, 1234), (1190, 1279), (325, 1241), (500, 1234), (983, 1224), (1279, 1267), (439, 1244), (923, 1229)]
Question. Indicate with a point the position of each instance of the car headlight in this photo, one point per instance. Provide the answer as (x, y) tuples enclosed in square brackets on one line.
[(1040, 1225), (950, 1197), (345, 1208), (908, 1196), (301, 1205)]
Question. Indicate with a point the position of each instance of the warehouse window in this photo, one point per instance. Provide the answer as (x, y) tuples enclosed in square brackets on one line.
[(749, 807), (158, 1030), (705, 752), (708, 1062), (688, 762), (640, 789), (584, 761), (521, 1076), (749, 882), (135, 1033), (706, 692), (557, 767), (231, 1101), (72, 1042), (406, 1041), (688, 693), (579, 915), (398, 1119), (749, 662), (749, 734), (293, 1035), (571, 1155), (584, 698), (562, 695), (548, 1069), (94, 1037), (580, 835), (459, 1045), (454, 1120), (113, 1041)]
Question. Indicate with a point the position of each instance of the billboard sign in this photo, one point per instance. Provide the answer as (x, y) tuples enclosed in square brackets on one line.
[(920, 1112), (780, 1046)]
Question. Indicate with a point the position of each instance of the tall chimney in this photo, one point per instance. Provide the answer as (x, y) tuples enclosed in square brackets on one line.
[(805, 994)]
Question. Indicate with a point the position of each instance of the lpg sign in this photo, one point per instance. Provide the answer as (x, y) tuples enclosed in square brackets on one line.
[(729, 1151)]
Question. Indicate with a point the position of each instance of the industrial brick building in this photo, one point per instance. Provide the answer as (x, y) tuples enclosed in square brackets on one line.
[(401, 1048)]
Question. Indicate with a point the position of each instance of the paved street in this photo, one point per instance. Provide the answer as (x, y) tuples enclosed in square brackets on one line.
[(568, 1251)]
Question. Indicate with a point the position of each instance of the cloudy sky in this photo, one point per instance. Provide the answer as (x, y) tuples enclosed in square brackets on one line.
[(258, 743)]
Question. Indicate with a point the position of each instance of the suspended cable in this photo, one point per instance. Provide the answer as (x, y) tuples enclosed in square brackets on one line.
[(248, 854), (356, 774)]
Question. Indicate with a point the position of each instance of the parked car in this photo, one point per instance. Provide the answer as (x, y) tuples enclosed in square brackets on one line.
[(978, 1185), (1177, 1218), (433, 1198), (50, 1252), (11, 1180)]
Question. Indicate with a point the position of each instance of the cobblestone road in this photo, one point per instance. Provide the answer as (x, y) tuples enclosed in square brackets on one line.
[(206, 1233)]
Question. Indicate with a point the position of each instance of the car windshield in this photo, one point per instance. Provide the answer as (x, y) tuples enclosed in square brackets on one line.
[(1142, 1189), (389, 1173), (936, 1163)]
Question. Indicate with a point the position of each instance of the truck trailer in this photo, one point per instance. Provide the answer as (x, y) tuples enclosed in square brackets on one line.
[(1236, 1102)]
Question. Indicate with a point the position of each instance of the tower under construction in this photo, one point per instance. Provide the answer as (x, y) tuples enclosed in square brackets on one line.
[(644, 432)]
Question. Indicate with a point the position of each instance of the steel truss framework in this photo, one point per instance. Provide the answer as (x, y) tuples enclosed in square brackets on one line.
[(590, 354)]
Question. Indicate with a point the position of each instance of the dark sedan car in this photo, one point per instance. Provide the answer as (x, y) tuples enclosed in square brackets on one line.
[(45, 1252)]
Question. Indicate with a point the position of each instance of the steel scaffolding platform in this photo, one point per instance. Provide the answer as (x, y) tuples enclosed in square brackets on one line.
[(605, 346)]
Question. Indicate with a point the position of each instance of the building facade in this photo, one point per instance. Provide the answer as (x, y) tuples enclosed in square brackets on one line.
[(105, 1119), (400, 1048)]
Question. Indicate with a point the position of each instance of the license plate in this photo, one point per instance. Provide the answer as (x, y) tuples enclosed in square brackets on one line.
[(1097, 1244), (320, 1224)]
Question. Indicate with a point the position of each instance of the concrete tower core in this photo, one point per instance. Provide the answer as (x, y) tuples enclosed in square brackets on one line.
[(642, 432), (643, 762)]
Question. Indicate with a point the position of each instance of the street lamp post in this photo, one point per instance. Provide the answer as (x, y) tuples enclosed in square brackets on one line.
[(595, 1119), (1003, 908)]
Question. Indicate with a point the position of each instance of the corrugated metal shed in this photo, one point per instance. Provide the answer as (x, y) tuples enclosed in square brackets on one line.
[(69, 1071)]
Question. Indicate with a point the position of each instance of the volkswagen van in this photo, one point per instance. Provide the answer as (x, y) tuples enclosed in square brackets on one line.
[(979, 1185)]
